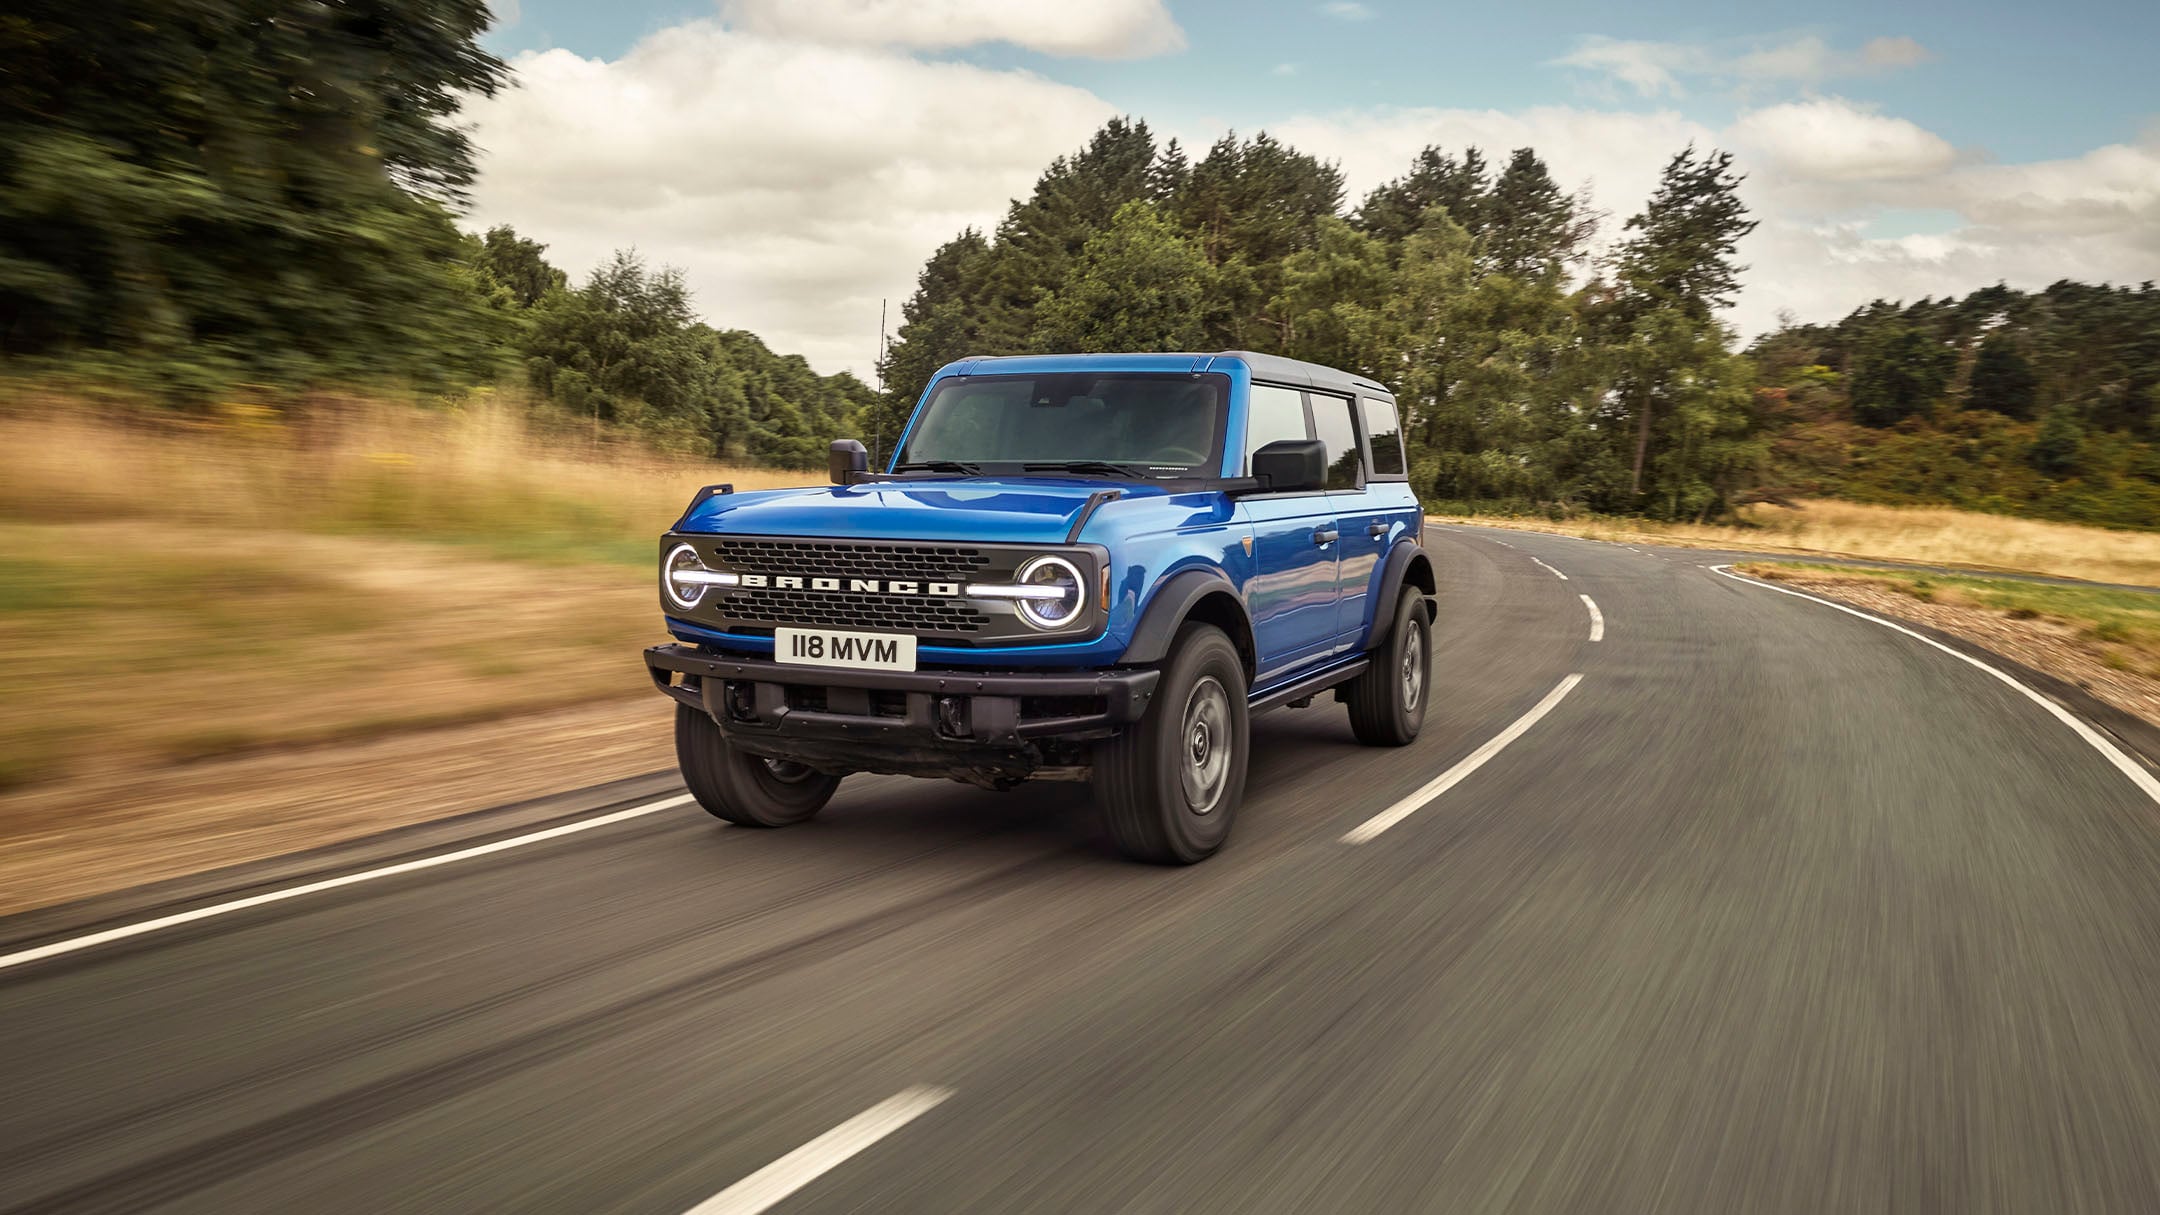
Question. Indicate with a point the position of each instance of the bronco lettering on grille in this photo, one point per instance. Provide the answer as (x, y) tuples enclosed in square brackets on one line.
[(873, 586)]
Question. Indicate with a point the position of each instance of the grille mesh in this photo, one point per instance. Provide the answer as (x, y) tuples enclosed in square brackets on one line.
[(905, 613), (842, 559)]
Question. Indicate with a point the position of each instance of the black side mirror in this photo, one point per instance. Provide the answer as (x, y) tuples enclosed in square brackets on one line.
[(846, 460), (1291, 465)]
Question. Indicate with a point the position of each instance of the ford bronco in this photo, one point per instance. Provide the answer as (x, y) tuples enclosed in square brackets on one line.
[(1074, 567)]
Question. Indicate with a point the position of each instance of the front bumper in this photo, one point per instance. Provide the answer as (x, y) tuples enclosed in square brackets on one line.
[(984, 727)]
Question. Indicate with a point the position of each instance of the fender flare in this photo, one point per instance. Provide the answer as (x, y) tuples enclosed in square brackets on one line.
[(1406, 555), (1167, 609)]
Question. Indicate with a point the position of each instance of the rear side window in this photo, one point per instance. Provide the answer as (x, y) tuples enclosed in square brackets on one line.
[(1273, 413), (1332, 425), (1384, 433)]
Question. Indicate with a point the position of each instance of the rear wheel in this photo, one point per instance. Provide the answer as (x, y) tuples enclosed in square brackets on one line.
[(1387, 702), (1171, 783), (746, 790)]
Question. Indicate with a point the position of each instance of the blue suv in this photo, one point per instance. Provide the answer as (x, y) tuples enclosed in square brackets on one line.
[(1076, 567)]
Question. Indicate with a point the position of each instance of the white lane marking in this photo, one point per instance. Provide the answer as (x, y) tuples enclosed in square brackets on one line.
[(2129, 767), (1597, 618), (1502, 543), (73, 944), (760, 1190), (1550, 570), (1372, 827)]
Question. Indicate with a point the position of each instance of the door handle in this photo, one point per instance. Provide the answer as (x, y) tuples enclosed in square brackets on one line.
[(1376, 530), (1325, 536)]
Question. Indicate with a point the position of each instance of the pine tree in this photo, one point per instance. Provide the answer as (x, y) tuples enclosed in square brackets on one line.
[(1395, 210), (2002, 381), (1531, 229)]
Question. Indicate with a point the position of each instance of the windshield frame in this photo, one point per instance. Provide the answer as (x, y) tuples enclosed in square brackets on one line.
[(1207, 467)]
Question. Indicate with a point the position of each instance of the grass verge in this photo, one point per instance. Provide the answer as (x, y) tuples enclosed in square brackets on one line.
[(1921, 535)]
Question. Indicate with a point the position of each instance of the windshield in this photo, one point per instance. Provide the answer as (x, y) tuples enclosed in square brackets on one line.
[(1085, 422)]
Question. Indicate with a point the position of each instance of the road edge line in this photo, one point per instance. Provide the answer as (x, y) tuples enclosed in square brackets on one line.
[(159, 923), (2144, 780), (1371, 828)]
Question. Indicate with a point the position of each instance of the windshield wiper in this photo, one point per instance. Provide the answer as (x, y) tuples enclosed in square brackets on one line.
[(951, 466), (1100, 467)]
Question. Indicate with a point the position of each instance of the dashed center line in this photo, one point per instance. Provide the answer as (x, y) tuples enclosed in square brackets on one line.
[(1550, 570), (762, 1189), (1371, 828), (1597, 618)]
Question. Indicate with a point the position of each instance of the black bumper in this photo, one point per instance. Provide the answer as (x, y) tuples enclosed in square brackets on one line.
[(987, 727)]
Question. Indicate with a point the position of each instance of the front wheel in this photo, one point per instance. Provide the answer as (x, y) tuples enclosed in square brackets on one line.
[(1387, 702), (746, 790), (1171, 783)]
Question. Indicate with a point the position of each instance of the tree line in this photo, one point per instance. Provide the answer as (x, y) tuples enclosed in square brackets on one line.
[(206, 196), (203, 197), (2034, 403), (1461, 285)]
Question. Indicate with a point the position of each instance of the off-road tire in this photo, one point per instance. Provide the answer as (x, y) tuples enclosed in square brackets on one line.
[(744, 789), (1194, 736), (1387, 702)]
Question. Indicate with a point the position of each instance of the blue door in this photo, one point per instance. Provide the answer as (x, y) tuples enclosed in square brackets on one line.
[(1359, 553), (1374, 515), (1293, 590)]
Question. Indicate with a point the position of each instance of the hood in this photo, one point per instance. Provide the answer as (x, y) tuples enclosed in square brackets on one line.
[(1016, 510)]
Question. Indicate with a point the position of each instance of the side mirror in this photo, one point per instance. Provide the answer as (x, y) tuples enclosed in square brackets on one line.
[(1291, 465), (845, 460)]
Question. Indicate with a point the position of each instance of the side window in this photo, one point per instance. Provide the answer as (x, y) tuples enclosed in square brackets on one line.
[(1332, 425), (1384, 433), (1273, 413)]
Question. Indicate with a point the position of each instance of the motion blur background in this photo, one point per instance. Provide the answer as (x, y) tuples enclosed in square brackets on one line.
[(273, 326)]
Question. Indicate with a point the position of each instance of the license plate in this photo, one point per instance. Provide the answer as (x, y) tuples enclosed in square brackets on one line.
[(834, 648)]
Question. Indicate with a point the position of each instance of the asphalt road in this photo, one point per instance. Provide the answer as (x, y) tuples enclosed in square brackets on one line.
[(1775, 910)]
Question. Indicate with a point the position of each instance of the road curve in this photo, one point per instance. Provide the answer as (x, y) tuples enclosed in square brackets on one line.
[(1773, 909)]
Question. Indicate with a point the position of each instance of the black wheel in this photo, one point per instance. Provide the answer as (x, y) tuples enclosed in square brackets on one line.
[(1387, 702), (1170, 784), (744, 789)]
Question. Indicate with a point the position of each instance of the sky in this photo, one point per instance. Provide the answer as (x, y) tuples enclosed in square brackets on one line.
[(798, 159)]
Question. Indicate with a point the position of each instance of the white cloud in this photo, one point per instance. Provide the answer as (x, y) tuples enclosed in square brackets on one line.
[(1099, 29), (1284, 69), (2094, 217), (1819, 177), (1347, 10), (1654, 69), (795, 184), (1832, 139)]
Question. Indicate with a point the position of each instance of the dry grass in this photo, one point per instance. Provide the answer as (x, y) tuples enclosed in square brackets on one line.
[(1921, 535), (472, 476), (170, 593)]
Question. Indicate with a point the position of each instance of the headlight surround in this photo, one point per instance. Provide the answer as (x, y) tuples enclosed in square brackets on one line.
[(682, 559), (1058, 573)]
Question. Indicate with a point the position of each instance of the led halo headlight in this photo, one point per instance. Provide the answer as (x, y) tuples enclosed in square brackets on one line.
[(1058, 573), (683, 594)]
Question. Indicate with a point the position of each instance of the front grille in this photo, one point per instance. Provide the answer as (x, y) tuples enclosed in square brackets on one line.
[(842, 559), (828, 609)]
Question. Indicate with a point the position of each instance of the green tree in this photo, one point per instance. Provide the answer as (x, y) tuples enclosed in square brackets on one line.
[(2002, 381), (1898, 372), (218, 190), (1679, 260), (1140, 285), (517, 265), (1457, 186)]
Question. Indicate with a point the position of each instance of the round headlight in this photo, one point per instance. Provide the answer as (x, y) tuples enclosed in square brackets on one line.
[(1058, 574), (682, 559)]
